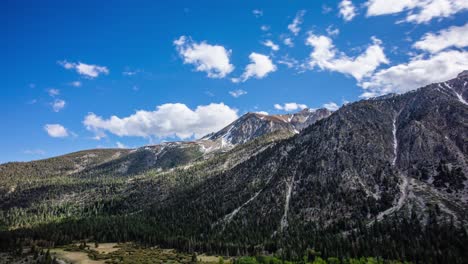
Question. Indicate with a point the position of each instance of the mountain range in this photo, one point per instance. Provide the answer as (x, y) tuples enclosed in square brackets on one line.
[(345, 182)]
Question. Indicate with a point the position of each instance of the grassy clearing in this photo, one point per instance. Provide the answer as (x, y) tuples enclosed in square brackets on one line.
[(104, 248), (211, 259), (74, 257), (126, 253)]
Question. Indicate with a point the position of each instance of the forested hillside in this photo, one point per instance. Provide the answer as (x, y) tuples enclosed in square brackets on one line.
[(380, 177)]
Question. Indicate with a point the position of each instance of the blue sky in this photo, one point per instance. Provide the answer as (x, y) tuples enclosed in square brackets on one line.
[(168, 70)]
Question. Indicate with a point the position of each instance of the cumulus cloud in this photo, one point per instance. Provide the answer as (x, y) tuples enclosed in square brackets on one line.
[(237, 93), (451, 37), (438, 62), (288, 42), (417, 11), (289, 62), (265, 27), (260, 66), (56, 130), (331, 106), (294, 27), (53, 92), (257, 12), (326, 56), (167, 120), (347, 10), (212, 59), (332, 31), (58, 105), (76, 83), (271, 45), (87, 70), (326, 9), (120, 145), (419, 71), (290, 106)]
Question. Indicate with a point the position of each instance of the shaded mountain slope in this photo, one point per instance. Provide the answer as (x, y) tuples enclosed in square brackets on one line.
[(367, 161), (384, 177)]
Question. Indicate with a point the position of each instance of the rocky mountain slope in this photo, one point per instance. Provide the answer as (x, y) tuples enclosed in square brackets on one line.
[(396, 156), (165, 155), (25, 182), (393, 168), (72, 163), (252, 125)]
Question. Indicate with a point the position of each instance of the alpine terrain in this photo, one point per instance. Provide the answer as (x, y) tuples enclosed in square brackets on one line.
[(385, 177)]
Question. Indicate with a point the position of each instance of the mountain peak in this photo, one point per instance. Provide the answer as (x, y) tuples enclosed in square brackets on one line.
[(307, 110), (252, 125), (463, 74)]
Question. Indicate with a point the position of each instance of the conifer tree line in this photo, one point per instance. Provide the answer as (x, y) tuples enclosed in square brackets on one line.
[(167, 209), (394, 238)]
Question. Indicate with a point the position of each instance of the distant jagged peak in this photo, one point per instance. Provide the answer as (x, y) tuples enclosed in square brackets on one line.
[(463, 74), (310, 110), (254, 124)]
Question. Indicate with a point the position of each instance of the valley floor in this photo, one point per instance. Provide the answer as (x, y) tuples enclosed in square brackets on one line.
[(130, 253), (106, 253)]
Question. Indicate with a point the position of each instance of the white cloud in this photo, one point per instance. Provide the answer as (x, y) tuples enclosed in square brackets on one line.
[(56, 130), (290, 106), (166, 120), (265, 27), (271, 45), (237, 93), (417, 11), (257, 12), (297, 21), (76, 83), (212, 59), (437, 64), (451, 37), (326, 9), (419, 71), (332, 31), (88, 70), (288, 42), (34, 152), (58, 105), (326, 56), (331, 106), (130, 72), (53, 92), (261, 113), (289, 62), (260, 66), (120, 145), (347, 10)]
